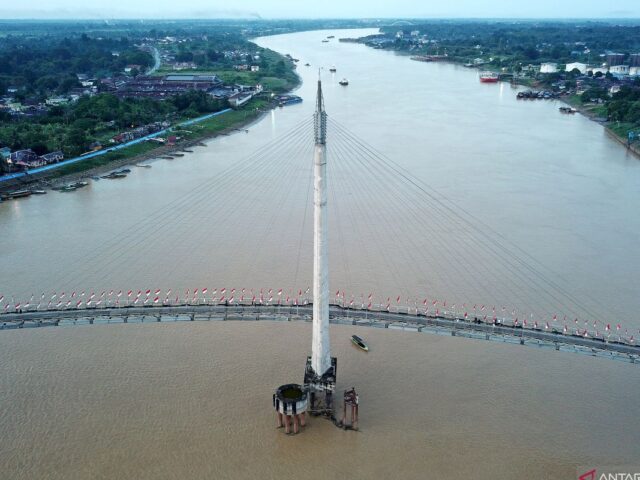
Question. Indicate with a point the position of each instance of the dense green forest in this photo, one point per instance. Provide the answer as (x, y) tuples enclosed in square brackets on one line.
[(73, 127), (40, 66), (43, 59), (511, 43)]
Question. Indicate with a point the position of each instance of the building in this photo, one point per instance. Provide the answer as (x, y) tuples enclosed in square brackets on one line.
[(548, 68), (239, 99), (614, 59), (619, 70), (164, 87), (582, 67), (25, 159), (634, 60), (23, 156), (53, 157), (602, 70), (634, 71), (255, 68)]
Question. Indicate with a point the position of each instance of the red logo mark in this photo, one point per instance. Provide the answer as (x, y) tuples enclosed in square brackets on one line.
[(591, 475)]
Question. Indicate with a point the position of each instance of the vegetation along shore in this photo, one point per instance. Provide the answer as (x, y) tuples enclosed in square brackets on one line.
[(106, 92), (592, 66)]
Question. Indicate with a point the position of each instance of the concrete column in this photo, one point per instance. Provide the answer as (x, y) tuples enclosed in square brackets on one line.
[(321, 348)]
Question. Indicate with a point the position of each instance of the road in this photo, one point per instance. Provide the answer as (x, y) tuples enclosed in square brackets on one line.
[(158, 61)]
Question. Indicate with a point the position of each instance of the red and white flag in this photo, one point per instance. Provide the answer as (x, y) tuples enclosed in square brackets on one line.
[(155, 300)]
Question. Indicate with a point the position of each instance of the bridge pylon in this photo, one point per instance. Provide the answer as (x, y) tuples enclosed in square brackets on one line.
[(321, 367)]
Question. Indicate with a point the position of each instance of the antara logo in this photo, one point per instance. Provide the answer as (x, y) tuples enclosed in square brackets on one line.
[(593, 475)]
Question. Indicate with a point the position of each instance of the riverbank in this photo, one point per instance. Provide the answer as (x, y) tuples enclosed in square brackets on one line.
[(192, 135), (591, 111), (232, 122)]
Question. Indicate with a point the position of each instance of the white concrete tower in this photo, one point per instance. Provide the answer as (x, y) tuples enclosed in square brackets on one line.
[(321, 348)]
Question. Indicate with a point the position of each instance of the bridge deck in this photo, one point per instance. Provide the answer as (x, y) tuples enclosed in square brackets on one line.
[(340, 315)]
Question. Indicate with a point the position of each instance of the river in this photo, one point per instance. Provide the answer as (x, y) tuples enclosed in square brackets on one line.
[(554, 185), (192, 400)]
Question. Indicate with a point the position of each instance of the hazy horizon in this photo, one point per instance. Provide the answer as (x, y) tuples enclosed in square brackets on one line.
[(328, 9)]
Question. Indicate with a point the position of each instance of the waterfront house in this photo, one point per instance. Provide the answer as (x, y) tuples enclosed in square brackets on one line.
[(52, 157), (27, 155), (26, 159)]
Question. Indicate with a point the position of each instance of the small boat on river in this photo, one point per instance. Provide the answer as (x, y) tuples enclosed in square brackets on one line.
[(333, 69), (15, 194), (359, 342), (119, 174), (344, 82)]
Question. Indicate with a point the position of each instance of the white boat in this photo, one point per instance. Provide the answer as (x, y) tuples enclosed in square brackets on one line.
[(344, 82)]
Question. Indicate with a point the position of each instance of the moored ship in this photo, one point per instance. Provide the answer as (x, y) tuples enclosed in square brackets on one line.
[(489, 77)]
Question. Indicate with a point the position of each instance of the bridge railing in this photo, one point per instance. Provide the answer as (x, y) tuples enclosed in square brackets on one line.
[(424, 323)]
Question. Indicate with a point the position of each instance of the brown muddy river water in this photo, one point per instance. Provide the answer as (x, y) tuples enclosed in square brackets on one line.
[(193, 400)]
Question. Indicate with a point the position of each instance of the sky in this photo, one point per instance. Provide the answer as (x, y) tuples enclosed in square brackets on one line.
[(58, 9)]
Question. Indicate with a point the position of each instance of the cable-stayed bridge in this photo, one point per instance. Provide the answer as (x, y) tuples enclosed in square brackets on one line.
[(396, 246)]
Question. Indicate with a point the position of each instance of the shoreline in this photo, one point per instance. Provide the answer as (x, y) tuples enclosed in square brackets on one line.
[(155, 154), (48, 181), (581, 109), (51, 180)]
